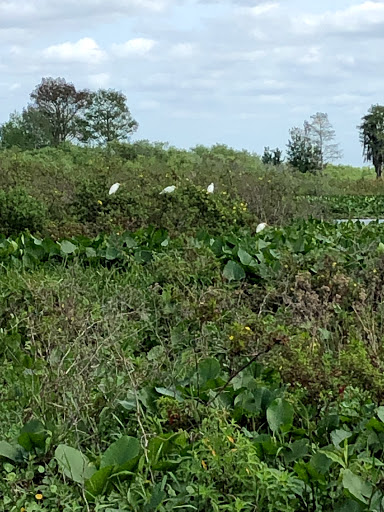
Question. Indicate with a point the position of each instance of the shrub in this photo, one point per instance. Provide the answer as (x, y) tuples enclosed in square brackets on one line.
[(20, 212)]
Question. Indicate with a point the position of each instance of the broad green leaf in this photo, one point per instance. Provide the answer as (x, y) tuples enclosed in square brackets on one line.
[(123, 454), (11, 452), (338, 436), (112, 253), (67, 247), (32, 435), (155, 353), (380, 413), (170, 392), (321, 463), (280, 415), (51, 247), (209, 369), (129, 241), (166, 465), (334, 457), (90, 252), (244, 257), (233, 271), (253, 401), (157, 498), (359, 488), (74, 464), (129, 403), (98, 483), (296, 450), (143, 256)]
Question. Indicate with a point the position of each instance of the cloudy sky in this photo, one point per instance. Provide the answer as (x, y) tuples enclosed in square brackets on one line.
[(239, 72)]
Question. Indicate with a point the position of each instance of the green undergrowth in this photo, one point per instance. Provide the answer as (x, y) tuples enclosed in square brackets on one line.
[(61, 192), (351, 206), (234, 372)]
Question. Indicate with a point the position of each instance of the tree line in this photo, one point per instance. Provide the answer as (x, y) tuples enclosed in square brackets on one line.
[(312, 147), (59, 112)]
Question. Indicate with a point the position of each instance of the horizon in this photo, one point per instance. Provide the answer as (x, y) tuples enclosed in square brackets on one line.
[(238, 72)]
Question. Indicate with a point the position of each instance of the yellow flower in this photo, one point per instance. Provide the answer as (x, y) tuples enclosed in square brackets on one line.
[(230, 439), (204, 464), (334, 264), (100, 202), (247, 470), (374, 271), (260, 179), (241, 204), (213, 453), (39, 497), (141, 175), (23, 509), (244, 209), (247, 328), (231, 338)]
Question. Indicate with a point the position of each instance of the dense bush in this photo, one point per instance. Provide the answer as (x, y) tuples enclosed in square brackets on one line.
[(20, 212), (143, 372)]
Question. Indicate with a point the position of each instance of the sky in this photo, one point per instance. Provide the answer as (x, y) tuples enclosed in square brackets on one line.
[(236, 72)]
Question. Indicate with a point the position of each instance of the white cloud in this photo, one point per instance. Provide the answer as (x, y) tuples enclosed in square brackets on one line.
[(148, 105), (99, 80), (85, 50), (25, 12), (183, 50), (259, 10), (363, 18), (134, 47), (196, 60)]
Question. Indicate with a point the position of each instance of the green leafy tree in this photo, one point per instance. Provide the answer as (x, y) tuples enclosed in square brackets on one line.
[(302, 153), (107, 118), (62, 106), (272, 157), (322, 135), (28, 130), (372, 137)]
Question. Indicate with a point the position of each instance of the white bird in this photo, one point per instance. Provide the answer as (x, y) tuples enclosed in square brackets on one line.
[(168, 190), (114, 188), (210, 188), (260, 227)]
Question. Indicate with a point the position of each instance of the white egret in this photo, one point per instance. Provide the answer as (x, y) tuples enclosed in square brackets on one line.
[(114, 188), (168, 190), (211, 188), (260, 227)]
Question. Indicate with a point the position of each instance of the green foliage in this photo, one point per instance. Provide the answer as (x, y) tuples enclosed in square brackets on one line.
[(372, 137), (352, 206), (107, 118), (302, 154), (28, 130), (199, 367), (272, 157), (19, 212)]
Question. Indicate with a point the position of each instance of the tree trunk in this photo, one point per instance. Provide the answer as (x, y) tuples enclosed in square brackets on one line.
[(378, 170)]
